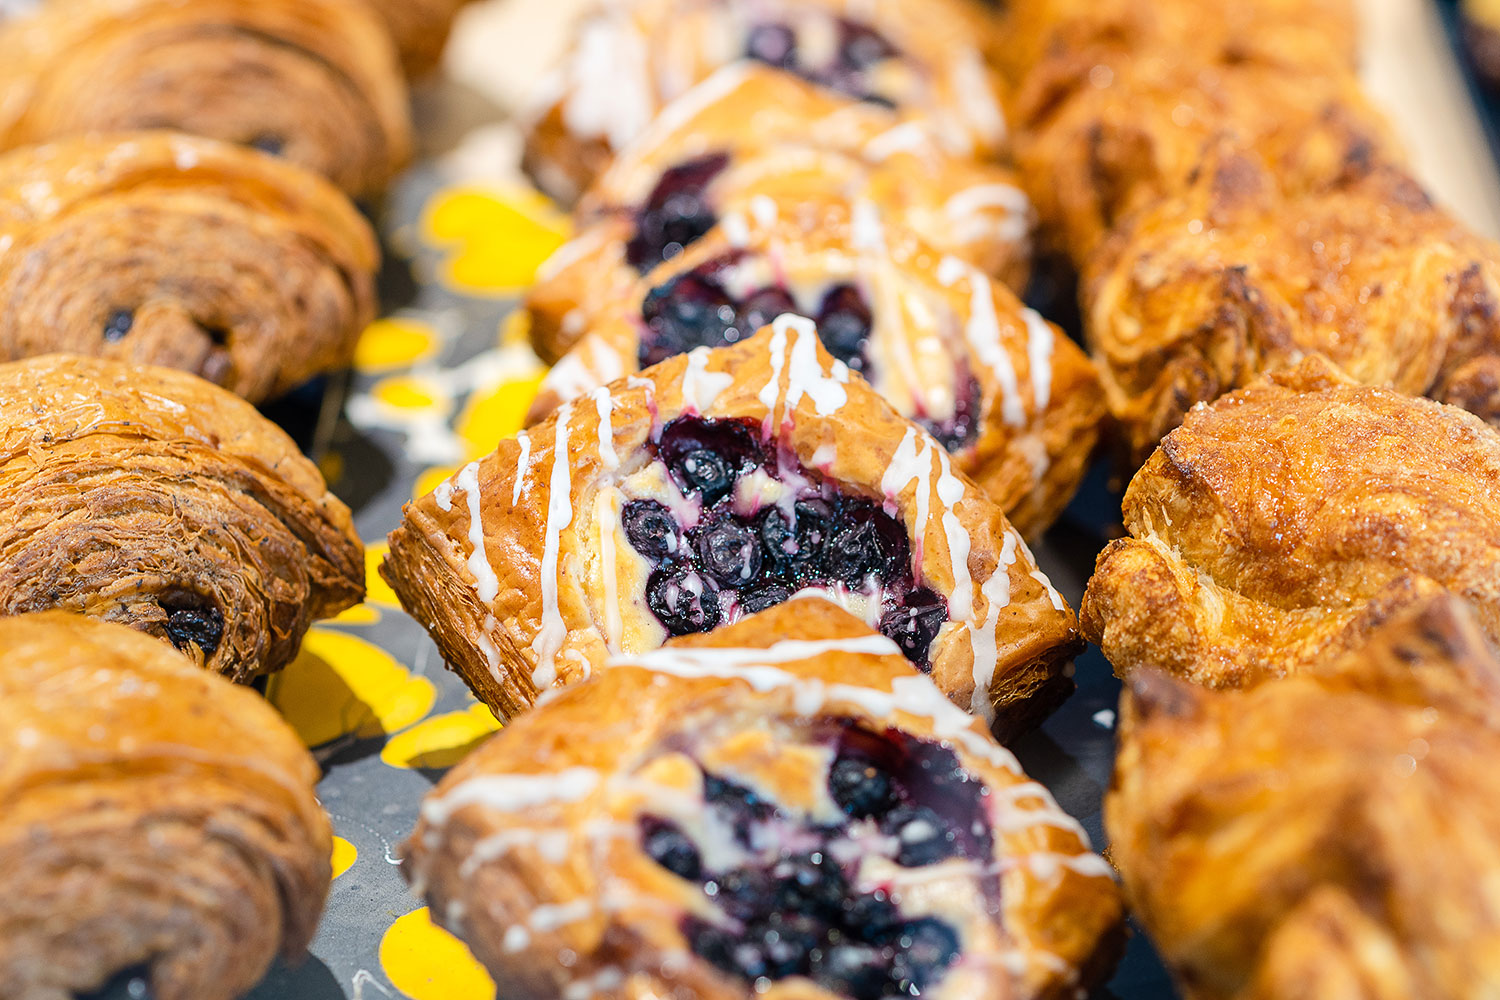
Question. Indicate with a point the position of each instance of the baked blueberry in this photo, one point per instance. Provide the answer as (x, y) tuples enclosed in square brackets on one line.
[(844, 324), (925, 837), (861, 47), (705, 457), (676, 213), (774, 44), (692, 310), (854, 969), (762, 307), (666, 844), (811, 884), (199, 626), (861, 787), (650, 528), (730, 552), (765, 596), (923, 951), (118, 324), (915, 623), (958, 431), (682, 600)]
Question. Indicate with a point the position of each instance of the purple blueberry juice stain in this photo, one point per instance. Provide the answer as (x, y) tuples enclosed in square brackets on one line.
[(958, 431), (791, 907), (859, 50), (736, 559), (676, 213)]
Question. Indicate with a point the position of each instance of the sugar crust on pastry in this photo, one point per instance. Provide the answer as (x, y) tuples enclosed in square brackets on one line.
[(1279, 526), (529, 570), (631, 822)]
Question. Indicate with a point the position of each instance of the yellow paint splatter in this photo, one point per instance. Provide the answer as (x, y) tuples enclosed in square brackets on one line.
[(515, 329), (442, 740), (493, 415), (377, 591), (395, 342), (344, 856), (405, 392), (341, 685), (427, 963), (498, 237), (429, 480)]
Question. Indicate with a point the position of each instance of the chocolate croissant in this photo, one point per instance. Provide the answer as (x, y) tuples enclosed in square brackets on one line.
[(699, 162), (146, 496), (314, 81), (1013, 399), (161, 248), (1373, 276), (420, 29), (779, 809), (714, 485), (1279, 526), (1327, 835), (155, 817), (631, 58)]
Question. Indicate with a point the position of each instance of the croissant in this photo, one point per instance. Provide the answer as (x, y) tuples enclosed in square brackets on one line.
[(632, 57), (1013, 399), (161, 248), (149, 497), (1279, 526), (154, 817), (420, 29), (779, 809), (714, 485), (1327, 835), (315, 81), (700, 162), (1201, 292)]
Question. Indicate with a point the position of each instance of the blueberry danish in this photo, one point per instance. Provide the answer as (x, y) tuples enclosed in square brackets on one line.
[(156, 818), (698, 163), (165, 249), (715, 485), (779, 809), (148, 497), (314, 81), (632, 57), (1013, 399)]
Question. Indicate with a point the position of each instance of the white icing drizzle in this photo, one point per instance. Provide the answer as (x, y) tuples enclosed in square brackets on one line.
[(611, 93), (763, 209), (700, 387), (1052, 594), (679, 112), (996, 593), (908, 465), (950, 491), (549, 637), (1039, 348), (605, 403), (736, 229), (486, 583), (804, 376), (488, 648), (980, 105), (512, 793), (967, 209), (983, 330), (604, 515), (866, 231), (524, 440), (603, 982), (910, 137)]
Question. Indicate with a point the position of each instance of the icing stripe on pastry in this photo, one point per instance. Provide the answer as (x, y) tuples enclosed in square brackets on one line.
[(549, 638), (996, 591)]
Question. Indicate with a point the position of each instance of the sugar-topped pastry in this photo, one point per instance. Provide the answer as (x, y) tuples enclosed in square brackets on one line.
[(717, 484), (779, 809)]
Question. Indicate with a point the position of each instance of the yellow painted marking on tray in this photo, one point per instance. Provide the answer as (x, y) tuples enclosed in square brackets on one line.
[(377, 591), (442, 740), (342, 685), (492, 415), (429, 480), (515, 329), (394, 342), (344, 856), (427, 963), (405, 392), (498, 237), (331, 465)]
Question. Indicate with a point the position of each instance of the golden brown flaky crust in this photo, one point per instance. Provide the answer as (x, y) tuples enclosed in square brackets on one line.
[(420, 29), (935, 322), (154, 816), (149, 497), (786, 142), (1203, 291), (632, 57), (542, 512), (162, 248), (1278, 526), (317, 80), (578, 771), (1330, 835)]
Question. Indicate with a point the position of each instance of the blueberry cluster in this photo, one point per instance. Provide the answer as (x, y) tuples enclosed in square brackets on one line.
[(959, 430), (796, 913), (696, 310), (729, 564), (859, 49), (676, 213)]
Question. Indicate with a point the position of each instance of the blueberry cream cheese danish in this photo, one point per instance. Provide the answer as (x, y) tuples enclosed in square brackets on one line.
[(157, 818), (314, 81), (632, 57), (1013, 399), (162, 248), (715, 485), (149, 497), (698, 163), (779, 809)]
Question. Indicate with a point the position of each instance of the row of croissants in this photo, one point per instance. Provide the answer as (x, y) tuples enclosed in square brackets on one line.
[(752, 590)]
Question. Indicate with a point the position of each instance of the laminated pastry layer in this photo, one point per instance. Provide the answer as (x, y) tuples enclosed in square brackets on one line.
[(1329, 834), (1205, 290), (148, 497), (629, 59), (314, 81), (156, 818), (645, 509), (161, 248), (782, 808), (1282, 524), (1013, 399)]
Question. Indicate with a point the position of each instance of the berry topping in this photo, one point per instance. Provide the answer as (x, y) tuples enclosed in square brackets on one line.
[(118, 324), (198, 626), (650, 528), (959, 430), (773, 44), (914, 624), (859, 49), (669, 847), (682, 601), (860, 787), (730, 552), (676, 214), (844, 324)]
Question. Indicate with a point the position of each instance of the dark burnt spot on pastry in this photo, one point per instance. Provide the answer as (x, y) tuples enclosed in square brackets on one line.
[(958, 431), (858, 50), (792, 902), (844, 324), (746, 553), (117, 324), (195, 624), (676, 213)]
